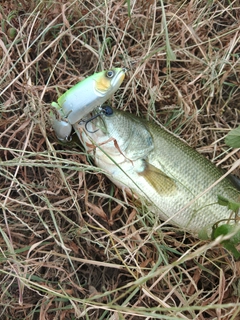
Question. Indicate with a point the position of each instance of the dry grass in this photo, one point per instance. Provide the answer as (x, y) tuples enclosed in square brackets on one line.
[(70, 246)]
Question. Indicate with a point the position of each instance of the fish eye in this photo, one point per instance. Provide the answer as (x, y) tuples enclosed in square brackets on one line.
[(107, 110), (110, 74)]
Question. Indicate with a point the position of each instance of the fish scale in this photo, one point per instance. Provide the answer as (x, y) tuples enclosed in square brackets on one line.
[(143, 158)]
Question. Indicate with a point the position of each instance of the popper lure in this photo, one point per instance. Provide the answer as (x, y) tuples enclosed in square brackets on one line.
[(83, 98)]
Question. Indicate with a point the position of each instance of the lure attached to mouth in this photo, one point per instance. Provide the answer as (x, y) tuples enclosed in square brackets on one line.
[(83, 98)]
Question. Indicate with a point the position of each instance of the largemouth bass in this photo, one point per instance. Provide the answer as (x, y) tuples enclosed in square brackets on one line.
[(147, 160)]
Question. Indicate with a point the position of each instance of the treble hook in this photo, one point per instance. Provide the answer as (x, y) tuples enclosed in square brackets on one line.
[(90, 119), (105, 110)]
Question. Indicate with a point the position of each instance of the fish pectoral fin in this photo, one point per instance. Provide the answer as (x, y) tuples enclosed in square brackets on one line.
[(163, 184)]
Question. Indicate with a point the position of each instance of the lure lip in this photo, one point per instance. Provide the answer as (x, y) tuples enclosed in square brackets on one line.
[(62, 128)]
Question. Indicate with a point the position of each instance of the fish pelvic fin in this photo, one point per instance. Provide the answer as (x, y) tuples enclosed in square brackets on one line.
[(163, 184)]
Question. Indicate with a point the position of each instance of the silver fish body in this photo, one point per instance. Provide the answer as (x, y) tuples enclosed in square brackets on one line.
[(143, 158)]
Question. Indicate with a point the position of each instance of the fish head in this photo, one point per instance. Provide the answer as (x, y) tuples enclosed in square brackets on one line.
[(116, 138), (130, 136)]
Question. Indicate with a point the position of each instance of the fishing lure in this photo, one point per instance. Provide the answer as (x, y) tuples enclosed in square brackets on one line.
[(83, 98)]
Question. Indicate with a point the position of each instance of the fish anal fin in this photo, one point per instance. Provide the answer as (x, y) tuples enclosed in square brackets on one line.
[(163, 184)]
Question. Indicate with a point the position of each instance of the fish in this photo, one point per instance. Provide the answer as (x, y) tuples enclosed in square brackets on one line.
[(145, 159), (84, 97)]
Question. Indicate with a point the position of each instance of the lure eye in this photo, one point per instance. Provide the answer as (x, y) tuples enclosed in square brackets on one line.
[(110, 74), (108, 111)]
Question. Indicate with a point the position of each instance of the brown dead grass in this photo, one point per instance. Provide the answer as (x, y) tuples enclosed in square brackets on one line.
[(70, 246)]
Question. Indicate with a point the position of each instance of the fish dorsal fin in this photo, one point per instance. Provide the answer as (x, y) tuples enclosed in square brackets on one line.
[(163, 184)]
